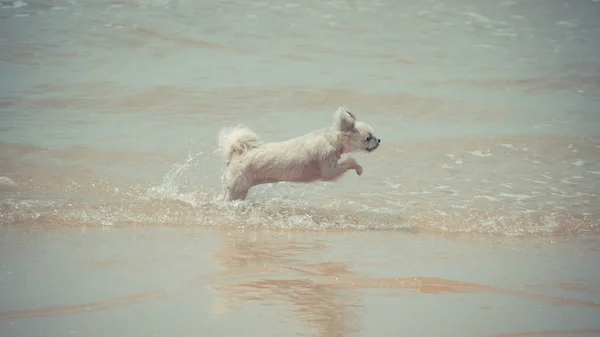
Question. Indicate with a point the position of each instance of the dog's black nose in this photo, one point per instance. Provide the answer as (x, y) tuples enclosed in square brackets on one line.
[(378, 140)]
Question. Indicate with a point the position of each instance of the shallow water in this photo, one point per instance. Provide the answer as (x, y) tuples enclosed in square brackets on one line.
[(487, 111)]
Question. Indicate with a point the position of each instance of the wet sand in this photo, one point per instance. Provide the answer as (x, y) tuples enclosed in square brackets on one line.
[(186, 281)]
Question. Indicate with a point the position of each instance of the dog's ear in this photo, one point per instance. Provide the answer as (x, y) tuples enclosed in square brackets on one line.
[(343, 119)]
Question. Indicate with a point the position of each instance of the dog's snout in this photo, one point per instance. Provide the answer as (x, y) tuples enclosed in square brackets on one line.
[(378, 140)]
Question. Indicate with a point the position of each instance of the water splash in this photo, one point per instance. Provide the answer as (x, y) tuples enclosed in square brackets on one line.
[(174, 182)]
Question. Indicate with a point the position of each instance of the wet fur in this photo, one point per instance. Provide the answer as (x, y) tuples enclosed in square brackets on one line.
[(311, 157)]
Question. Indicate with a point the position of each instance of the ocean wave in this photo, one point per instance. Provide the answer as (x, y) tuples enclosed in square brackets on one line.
[(205, 210), (188, 195)]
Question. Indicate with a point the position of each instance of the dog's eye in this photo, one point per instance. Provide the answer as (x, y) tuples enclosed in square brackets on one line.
[(368, 139)]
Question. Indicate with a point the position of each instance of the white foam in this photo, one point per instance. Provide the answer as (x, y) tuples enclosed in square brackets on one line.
[(486, 197), (509, 146), (566, 24), (485, 19), (16, 4), (485, 153), (517, 197), (566, 180), (460, 206), (394, 186), (564, 195), (506, 34), (536, 181), (7, 181), (579, 162), (485, 46)]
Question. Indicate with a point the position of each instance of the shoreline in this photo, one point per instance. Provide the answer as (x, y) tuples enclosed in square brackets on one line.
[(302, 280)]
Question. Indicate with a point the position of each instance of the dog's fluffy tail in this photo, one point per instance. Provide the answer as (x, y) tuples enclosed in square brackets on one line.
[(237, 140)]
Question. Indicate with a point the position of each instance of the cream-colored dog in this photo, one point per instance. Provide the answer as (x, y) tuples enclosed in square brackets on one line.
[(314, 156)]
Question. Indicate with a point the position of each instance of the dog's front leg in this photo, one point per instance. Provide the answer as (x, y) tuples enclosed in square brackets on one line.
[(333, 172)]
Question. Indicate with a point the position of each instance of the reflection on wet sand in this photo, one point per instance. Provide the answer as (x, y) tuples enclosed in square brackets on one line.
[(320, 282), (275, 271), (84, 307), (434, 285), (306, 297)]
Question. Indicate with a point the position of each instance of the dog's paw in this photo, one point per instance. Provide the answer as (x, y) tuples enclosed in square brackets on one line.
[(353, 165), (359, 169)]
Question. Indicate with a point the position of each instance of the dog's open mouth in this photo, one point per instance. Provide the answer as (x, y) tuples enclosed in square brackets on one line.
[(371, 149)]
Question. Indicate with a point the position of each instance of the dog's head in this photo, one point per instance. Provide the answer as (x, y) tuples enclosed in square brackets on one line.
[(356, 136)]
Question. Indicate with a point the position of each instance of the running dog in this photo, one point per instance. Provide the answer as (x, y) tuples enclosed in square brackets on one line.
[(308, 158)]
